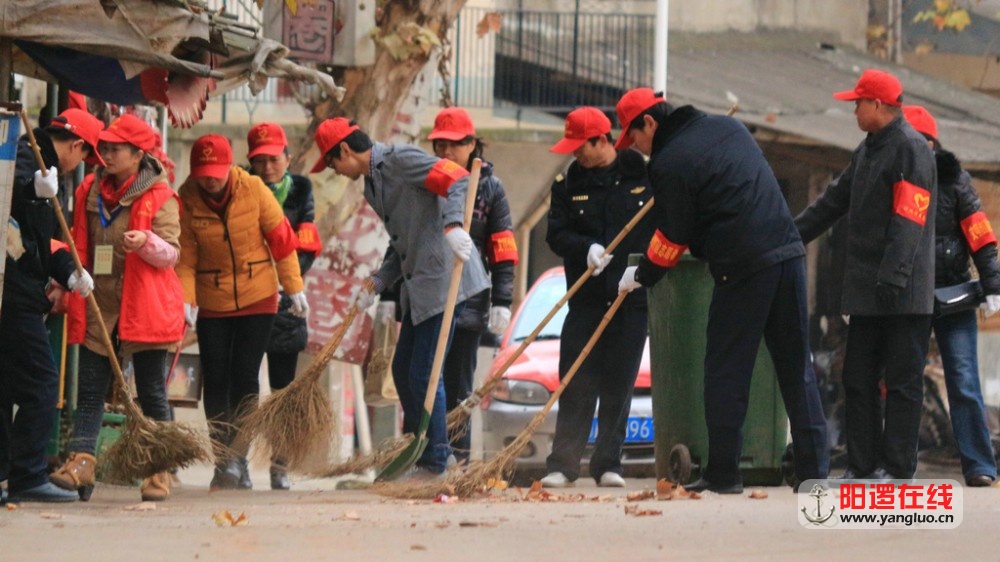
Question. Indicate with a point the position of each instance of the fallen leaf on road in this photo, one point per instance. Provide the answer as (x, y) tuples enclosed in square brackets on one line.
[(11, 507), (50, 515), (349, 516), (476, 524), (442, 524), (758, 495), (226, 519), (144, 506), (417, 547), (495, 484), (635, 511), (640, 495)]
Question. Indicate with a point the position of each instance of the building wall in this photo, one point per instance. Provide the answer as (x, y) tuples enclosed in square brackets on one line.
[(980, 73)]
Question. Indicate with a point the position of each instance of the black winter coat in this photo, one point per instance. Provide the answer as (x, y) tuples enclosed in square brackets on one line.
[(291, 333), (957, 200), (592, 206), (716, 194), (883, 246), (25, 279), (490, 216)]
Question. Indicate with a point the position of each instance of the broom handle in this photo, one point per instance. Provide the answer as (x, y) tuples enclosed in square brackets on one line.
[(453, 286), (583, 354), (91, 300), (488, 385)]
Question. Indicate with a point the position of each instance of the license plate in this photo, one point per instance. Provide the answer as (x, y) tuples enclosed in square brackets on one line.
[(637, 430)]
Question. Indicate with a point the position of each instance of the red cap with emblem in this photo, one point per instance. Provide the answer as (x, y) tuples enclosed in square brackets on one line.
[(211, 157), (452, 123), (630, 106), (132, 130), (266, 138), (875, 85), (582, 124), (83, 125), (328, 135), (921, 120)]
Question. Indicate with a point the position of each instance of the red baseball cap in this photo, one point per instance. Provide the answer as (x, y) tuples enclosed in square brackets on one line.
[(266, 138), (132, 130), (328, 135), (875, 85), (581, 124), (921, 120), (452, 123), (211, 157), (630, 106), (83, 125)]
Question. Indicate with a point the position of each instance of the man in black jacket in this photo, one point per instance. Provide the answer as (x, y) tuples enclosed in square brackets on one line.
[(962, 230), (601, 191), (716, 195), (29, 377), (888, 192)]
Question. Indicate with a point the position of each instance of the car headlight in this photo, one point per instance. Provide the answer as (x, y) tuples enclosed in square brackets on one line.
[(520, 392)]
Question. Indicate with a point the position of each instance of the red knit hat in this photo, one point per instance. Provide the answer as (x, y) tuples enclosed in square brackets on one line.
[(921, 120)]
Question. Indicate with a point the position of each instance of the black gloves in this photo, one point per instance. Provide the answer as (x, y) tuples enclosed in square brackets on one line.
[(887, 296)]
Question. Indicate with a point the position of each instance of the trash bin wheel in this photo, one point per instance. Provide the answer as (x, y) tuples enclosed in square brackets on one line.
[(679, 464), (788, 466)]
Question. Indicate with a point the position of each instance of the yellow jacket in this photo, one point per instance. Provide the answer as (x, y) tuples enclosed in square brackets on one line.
[(228, 263)]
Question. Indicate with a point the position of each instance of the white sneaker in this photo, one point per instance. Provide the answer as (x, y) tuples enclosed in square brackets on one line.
[(611, 480), (555, 480)]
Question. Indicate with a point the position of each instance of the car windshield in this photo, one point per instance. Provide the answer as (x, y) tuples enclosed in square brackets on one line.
[(544, 296)]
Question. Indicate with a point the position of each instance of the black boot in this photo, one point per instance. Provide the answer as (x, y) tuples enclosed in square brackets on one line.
[(244, 479), (227, 476), (279, 475)]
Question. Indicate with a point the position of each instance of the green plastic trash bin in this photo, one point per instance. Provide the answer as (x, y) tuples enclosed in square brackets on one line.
[(678, 319), (111, 430)]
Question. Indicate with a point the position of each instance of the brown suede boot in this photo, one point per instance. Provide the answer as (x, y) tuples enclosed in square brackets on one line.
[(156, 488), (77, 474)]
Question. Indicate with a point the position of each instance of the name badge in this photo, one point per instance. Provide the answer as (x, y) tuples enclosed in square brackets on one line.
[(104, 255)]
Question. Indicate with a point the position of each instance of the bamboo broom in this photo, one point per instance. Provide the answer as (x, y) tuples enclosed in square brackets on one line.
[(145, 447)]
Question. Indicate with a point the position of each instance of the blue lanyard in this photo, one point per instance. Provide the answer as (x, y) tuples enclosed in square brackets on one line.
[(112, 215)]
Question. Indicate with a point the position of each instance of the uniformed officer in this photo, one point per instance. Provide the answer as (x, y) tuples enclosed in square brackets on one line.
[(888, 192), (716, 194), (421, 200), (601, 191)]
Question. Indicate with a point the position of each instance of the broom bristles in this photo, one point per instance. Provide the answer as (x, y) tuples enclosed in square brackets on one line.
[(146, 448), (293, 421), (388, 450)]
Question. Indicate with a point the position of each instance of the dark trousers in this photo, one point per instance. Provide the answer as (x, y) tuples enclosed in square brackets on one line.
[(411, 373), (896, 347), (28, 379), (607, 378), (281, 369), (231, 351), (770, 303), (459, 370), (94, 379)]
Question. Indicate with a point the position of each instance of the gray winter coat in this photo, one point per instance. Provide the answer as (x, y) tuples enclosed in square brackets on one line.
[(415, 219), (883, 245)]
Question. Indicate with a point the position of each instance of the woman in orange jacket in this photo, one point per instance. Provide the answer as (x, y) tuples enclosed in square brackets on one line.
[(126, 227), (236, 244)]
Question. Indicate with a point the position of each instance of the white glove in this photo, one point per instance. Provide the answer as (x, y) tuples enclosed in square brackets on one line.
[(597, 259), (628, 282), (386, 312), (300, 306), (82, 284), (499, 319), (992, 305), (363, 298), (46, 187), (460, 242), (190, 314)]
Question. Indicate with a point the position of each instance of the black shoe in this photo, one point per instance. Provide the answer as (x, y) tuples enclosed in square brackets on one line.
[(979, 481), (279, 477), (227, 476), (244, 480), (702, 485), (47, 493)]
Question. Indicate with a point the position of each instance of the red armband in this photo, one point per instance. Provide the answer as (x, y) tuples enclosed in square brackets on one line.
[(503, 247), (282, 240), (911, 201), (442, 175), (309, 240), (663, 252), (978, 231)]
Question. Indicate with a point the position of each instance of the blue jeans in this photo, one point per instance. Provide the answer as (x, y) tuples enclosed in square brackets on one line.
[(150, 368), (411, 372), (956, 336)]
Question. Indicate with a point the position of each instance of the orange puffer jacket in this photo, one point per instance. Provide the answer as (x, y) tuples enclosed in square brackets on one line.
[(230, 262)]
